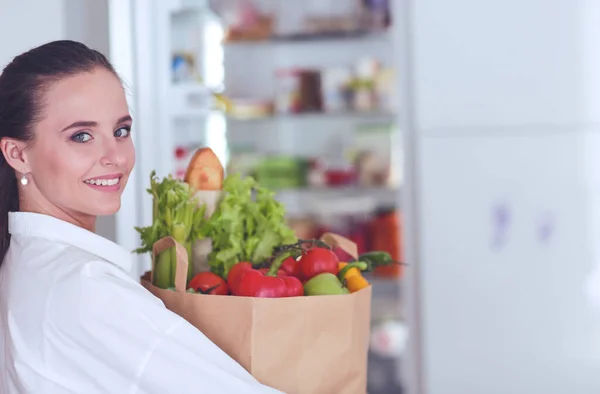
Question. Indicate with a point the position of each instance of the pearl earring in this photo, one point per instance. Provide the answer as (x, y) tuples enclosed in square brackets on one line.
[(24, 180)]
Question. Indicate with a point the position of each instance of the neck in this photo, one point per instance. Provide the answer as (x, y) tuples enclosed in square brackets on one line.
[(87, 222)]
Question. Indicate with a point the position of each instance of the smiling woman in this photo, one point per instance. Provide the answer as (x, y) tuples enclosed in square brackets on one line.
[(85, 326), (83, 136), (53, 152)]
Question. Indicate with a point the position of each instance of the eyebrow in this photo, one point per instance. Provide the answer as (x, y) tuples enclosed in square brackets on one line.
[(87, 123)]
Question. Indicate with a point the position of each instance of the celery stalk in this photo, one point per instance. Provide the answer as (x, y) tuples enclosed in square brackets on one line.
[(166, 266), (175, 213), (179, 233), (162, 270), (188, 247)]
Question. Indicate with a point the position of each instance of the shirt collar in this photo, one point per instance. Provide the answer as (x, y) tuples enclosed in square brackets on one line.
[(49, 227)]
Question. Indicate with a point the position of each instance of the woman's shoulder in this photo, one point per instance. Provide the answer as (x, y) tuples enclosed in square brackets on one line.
[(53, 261), (64, 273), (38, 239)]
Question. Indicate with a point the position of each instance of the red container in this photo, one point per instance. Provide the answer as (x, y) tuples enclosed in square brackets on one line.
[(386, 235), (341, 177)]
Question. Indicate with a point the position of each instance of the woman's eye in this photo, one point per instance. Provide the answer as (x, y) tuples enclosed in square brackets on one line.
[(123, 132), (81, 137)]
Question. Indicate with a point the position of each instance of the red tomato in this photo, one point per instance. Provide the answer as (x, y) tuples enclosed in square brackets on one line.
[(316, 261), (291, 266), (209, 283)]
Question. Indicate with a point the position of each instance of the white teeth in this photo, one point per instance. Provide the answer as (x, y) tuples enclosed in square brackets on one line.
[(103, 182)]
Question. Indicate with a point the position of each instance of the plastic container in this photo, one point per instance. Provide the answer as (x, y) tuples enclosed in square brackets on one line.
[(386, 235)]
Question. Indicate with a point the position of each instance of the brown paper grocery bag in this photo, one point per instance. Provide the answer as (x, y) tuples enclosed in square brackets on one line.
[(299, 345)]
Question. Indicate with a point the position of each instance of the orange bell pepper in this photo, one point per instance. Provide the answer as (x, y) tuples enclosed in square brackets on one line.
[(353, 278)]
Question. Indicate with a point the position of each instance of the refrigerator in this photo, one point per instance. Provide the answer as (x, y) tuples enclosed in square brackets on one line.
[(155, 46), (499, 111)]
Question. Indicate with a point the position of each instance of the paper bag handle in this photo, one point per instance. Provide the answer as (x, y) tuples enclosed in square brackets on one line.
[(335, 240), (181, 259)]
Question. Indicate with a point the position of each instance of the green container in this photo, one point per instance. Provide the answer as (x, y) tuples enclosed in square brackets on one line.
[(282, 172)]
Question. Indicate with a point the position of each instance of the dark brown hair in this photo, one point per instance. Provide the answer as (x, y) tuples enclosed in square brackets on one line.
[(22, 86)]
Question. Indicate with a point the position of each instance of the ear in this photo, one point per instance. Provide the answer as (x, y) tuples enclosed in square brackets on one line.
[(13, 151)]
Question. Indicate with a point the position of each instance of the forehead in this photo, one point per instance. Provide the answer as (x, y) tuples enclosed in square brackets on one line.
[(89, 96)]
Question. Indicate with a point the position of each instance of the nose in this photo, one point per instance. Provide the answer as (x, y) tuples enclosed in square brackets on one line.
[(114, 153)]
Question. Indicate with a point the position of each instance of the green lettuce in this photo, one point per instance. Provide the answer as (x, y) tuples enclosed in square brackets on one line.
[(247, 225)]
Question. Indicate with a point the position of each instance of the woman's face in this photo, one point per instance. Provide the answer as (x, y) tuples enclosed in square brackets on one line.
[(82, 152)]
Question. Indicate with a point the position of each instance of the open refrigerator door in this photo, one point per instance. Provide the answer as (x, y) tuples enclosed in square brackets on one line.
[(297, 95)]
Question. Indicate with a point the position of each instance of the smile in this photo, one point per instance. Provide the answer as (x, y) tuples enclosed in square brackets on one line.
[(104, 181)]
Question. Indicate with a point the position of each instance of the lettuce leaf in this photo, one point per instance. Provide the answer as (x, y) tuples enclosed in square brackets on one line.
[(247, 225)]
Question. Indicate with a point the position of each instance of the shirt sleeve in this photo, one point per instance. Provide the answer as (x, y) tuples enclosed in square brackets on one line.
[(115, 325), (202, 367)]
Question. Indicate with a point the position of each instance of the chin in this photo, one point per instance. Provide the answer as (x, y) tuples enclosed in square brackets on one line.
[(107, 209)]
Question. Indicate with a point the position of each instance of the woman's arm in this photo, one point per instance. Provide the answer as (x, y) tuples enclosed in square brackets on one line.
[(199, 368), (137, 344)]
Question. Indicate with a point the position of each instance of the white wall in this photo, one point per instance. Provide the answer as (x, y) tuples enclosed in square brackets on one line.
[(87, 21), (25, 24), (22, 29)]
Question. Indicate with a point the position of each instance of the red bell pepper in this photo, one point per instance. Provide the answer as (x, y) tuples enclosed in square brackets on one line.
[(235, 274), (248, 282), (316, 261), (281, 273), (294, 288)]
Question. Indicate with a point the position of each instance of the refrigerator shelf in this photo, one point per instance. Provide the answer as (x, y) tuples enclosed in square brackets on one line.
[(337, 201), (332, 38), (350, 115)]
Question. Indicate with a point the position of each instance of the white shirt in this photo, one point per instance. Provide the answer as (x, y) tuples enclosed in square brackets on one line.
[(73, 321)]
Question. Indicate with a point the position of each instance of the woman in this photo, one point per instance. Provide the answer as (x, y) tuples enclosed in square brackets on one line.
[(71, 318)]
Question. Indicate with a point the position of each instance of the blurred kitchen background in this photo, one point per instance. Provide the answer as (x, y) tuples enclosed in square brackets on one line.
[(460, 136)]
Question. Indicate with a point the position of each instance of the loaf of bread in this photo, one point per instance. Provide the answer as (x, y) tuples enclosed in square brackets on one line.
[(205, 171)]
